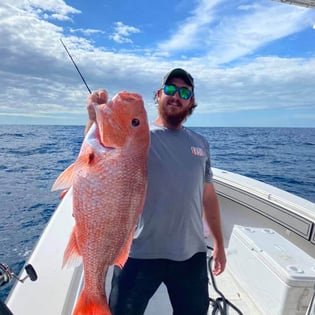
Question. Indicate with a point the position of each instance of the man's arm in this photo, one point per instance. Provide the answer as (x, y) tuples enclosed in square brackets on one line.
[(213, 219), (88, 125)]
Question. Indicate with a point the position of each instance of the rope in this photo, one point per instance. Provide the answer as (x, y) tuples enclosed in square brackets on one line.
[(221, 303)]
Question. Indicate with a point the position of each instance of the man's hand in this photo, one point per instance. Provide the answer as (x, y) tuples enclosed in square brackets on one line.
[(99, 97), (219, 260)]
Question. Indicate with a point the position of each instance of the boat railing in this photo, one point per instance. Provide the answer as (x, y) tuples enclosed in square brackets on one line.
[(311, 307), (294, 213), (74, 290)]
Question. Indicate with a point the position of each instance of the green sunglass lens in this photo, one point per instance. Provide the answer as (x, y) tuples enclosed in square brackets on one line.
[(184, 93), (170, 89)]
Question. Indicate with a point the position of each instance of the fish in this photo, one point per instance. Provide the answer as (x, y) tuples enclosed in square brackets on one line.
[(109, 183)]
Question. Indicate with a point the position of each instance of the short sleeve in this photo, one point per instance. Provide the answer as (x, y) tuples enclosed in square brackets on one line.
[(208, 171)]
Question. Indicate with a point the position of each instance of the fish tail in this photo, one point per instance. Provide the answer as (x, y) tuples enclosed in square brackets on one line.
[(88, 306)]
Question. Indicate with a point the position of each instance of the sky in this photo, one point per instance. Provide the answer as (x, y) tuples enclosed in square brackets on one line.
[(253, 62)]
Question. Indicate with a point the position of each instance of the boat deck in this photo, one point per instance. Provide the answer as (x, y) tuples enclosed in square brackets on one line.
[(232, 291)]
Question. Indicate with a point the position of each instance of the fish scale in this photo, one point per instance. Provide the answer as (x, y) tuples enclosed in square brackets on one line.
[(109, 180)]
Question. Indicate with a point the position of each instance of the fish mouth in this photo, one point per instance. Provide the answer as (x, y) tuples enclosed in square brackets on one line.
[(107, 127), (93, 139), (107, 148)]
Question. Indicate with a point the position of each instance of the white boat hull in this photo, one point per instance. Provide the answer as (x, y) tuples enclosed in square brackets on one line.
[(243, 202)]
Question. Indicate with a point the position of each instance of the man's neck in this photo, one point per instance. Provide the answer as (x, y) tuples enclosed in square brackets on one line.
[(161, 122)]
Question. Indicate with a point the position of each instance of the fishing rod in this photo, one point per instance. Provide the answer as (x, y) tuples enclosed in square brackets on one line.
[(75, 66)]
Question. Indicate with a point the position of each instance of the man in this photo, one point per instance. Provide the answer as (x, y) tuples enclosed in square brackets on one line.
[(169, 245)]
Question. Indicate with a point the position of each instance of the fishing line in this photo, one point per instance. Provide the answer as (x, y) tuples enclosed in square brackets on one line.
[(75, 66)]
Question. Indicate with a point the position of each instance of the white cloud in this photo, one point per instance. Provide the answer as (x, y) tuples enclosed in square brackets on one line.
[(123, 32), (222, 37), (189, 33), (239, 36), (38, 79), (56, 9), (86, 32), (260, 84)]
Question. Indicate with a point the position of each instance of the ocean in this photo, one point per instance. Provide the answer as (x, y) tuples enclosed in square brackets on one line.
[(32, 157)]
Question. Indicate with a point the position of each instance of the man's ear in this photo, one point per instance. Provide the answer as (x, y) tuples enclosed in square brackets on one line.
[(192, 101), (158, 94)]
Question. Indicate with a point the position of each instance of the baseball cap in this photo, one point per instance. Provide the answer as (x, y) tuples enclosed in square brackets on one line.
[(179, 73)]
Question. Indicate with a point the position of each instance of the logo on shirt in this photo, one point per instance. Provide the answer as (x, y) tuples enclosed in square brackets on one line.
[(197, 151)]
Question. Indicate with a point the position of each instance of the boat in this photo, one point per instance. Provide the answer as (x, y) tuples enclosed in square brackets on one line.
[(269, 237)]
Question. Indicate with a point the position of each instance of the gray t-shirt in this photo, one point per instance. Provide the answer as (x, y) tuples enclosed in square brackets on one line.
[(171, 223)]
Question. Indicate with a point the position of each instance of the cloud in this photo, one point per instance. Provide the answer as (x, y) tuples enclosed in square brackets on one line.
[(241, 35), (188, 35), (86, 32), (37, 78), (123, 32), (48, 9), (260, 84), (222, 31)]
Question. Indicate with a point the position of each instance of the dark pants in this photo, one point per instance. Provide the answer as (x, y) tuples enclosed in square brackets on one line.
[(186, 282)]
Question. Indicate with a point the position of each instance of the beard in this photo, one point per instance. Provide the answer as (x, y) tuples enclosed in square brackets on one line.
[(174, 119)]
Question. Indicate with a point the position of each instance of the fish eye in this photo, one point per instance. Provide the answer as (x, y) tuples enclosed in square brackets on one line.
[(135, 122)]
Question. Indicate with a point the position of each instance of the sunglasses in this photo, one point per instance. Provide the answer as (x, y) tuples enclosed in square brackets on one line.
[(183, 92)]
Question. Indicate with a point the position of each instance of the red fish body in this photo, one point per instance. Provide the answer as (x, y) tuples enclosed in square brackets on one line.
[(109, 180)]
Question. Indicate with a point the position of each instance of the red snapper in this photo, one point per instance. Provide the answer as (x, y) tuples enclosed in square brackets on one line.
[(109, 180)]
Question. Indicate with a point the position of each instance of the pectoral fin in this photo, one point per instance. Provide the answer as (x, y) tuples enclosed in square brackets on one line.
[(65, 179)]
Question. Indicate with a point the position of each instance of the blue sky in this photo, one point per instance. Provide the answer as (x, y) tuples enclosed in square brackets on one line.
[(253, 61)]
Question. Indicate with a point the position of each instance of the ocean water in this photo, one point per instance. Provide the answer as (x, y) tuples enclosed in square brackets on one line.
[(31, 158)]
